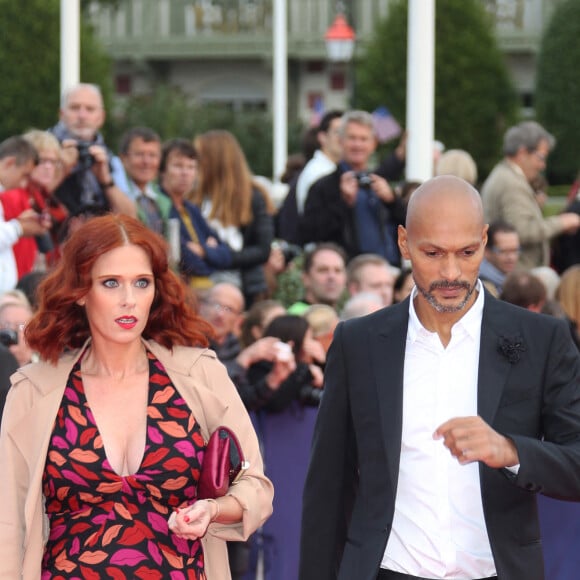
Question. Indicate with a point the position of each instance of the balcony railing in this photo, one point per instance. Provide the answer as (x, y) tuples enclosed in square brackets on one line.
[(243, 28)]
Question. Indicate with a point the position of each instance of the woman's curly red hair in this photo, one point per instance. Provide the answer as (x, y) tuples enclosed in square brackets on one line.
[(60, 323)]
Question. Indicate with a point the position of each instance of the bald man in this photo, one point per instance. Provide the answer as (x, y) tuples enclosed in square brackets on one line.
[(442, 417)]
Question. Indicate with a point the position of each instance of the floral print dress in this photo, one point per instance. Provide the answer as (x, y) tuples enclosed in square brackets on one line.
[(103, 525)]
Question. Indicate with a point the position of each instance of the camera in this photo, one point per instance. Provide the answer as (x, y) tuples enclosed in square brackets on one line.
[(8, 337), (364, 179), (283, 351), (310, 396), (289, 251), (86, 160)]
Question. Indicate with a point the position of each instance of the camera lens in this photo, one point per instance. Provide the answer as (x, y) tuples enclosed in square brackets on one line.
[(8, 337)]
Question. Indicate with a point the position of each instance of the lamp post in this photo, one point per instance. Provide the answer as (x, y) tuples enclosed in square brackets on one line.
[(69, 43), (280, 88), (420, 89), (339, 39)]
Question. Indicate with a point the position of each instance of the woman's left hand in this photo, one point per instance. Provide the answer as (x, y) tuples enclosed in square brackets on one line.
[(191, 522)]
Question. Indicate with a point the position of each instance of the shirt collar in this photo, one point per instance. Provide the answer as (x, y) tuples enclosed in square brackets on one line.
[(470, 322), (516, 168), (149, 190)]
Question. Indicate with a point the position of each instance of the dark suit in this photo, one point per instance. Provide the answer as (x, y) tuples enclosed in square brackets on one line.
[(349, 497)]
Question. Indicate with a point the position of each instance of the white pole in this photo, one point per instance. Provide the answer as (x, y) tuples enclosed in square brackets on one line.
[(280, 88), (420, 89), (70, 17)]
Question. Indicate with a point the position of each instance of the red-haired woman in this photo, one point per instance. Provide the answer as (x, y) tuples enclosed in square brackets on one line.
[(102, 441)]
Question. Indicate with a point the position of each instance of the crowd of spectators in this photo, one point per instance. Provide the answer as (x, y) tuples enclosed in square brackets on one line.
[(273, 282)]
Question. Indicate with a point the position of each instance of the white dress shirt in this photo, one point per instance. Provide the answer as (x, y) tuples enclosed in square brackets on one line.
[(319, 166), (438, 528)]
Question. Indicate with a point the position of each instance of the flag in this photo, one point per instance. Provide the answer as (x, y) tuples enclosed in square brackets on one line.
[(317, 112), (386, 126)]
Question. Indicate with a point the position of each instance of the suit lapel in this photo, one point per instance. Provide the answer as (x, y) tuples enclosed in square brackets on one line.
[(388, 336), (494, 368)]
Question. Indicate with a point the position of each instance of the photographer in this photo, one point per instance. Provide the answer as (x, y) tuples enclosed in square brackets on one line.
[(88, 186), (285, 425), (353, 207), (14, 315)]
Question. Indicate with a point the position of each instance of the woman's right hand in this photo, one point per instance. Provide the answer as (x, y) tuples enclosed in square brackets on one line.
[(282, 368), (191, 522), (263, 349)]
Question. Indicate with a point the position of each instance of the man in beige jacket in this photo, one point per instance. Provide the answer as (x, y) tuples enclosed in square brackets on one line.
[(508, 196)]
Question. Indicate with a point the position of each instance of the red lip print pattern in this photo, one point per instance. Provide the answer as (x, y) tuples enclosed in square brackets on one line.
[(103, 525)]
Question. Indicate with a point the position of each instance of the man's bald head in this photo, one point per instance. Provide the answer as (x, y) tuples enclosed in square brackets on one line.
[(445, 197)]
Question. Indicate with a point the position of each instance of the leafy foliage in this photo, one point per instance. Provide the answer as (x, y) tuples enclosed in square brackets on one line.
[(558, 89), (30, 64), (169, 112), (474, 99)]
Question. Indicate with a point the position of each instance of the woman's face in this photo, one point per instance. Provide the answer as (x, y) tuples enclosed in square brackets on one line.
[(45, 173), (122, 291), (309, 345), (179, 175)]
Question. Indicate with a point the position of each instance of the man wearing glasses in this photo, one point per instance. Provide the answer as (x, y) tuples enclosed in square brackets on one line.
[(223, 308), (500, 256), (507, 194)]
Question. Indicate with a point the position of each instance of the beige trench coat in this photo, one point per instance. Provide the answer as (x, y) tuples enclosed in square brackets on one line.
[(31, 408)]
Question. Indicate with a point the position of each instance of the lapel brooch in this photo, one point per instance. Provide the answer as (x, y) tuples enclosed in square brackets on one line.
[(511, 347)]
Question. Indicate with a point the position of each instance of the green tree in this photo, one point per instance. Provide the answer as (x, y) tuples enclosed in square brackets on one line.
[(30, 64), (474, 98), (558, 89), (171, 114)]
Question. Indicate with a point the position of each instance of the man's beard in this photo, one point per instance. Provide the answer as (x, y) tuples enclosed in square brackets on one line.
[(428, 295)]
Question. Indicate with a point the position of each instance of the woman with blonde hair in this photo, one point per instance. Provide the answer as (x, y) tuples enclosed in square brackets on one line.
[(237, 207), (568, 295), (459, 163)]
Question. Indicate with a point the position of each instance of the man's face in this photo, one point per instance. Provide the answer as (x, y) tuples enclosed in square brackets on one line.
[(142, 161), (83, 114), (326, 280), (179, 175), (222, 309), (377, 279), (14, 175), (445, 246), (505, 251), (533, 162), (330, 142), (358, 144)]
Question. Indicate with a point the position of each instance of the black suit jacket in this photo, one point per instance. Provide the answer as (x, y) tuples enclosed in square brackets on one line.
[(349, 496)]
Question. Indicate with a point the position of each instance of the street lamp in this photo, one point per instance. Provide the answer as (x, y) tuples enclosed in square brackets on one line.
[(339, 39)]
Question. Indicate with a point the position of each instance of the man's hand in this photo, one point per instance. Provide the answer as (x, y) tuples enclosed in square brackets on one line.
[(69, 155), (472, 439), (349, 187), (570, 222), (32, 223), (101, 165), (382, 188)]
